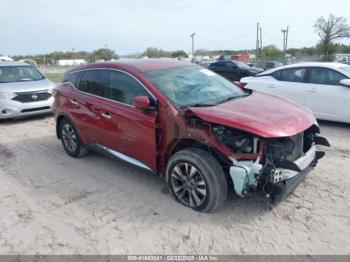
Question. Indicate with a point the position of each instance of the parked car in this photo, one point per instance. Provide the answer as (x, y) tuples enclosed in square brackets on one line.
[(233, 70), (199, 131), (323, 87), (272, 64), (24, 91)]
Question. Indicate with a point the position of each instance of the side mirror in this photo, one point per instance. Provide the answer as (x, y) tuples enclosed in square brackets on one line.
[(143, 103), (345, 82)]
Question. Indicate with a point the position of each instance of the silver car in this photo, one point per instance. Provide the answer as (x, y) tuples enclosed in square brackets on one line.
[(24, 91)]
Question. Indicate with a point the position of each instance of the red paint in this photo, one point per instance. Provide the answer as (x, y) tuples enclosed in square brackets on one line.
[(261, 114), (241, 57), (141, 102), (151, 137)]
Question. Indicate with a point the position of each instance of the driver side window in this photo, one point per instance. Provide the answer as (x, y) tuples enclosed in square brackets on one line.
[(324, 76), (123, 88)]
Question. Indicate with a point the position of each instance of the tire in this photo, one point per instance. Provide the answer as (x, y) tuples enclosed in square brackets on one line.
[(196, 180), (68, 135)]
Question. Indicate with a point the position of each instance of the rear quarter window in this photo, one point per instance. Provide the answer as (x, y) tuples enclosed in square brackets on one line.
[(276, 75)]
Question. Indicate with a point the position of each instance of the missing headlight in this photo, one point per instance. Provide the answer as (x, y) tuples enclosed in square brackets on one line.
[(237, 141)]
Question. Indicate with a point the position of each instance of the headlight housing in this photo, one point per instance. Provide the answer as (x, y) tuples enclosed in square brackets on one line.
[(8, 96)]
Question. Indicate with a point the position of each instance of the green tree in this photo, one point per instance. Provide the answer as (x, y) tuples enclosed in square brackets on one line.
[(329, 30), (179, 53), (153, 52), (271, 51), (103, 54)]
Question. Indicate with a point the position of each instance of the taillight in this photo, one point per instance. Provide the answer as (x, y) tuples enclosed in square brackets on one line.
[(242, 84)]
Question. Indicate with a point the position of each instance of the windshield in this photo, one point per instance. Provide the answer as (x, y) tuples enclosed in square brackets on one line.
[(346, 69), (10, 74), (193, 86)]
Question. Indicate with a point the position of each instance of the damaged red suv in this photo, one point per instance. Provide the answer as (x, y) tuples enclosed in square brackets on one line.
[(202, 133)]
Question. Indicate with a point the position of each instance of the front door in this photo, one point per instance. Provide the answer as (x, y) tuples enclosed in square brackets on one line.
[(132, 132), (326, 97)]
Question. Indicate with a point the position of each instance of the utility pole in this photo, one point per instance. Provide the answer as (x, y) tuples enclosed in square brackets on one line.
[(261, 46), (285, 39), (73, 55), (257, 40), (193, 56)]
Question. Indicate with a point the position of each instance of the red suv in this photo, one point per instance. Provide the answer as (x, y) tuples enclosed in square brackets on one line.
[(199, 131)]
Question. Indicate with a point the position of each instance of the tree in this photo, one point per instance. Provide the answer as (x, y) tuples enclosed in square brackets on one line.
[(104, 54), (271, 51), (153, 52), (331, 29), (179, 53)]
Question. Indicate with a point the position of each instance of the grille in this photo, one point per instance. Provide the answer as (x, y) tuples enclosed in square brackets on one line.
[(29, 97), (298, 146), (35, 109)]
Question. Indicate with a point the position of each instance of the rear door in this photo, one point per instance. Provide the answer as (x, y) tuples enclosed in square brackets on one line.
[(326, 97), (290, 83), (88, 114)]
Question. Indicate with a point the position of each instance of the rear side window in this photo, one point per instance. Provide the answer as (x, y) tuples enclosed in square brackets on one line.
[(71, 78), (219, 64), (324, 76), (293, 75), (123, 88), (94, 82), (276, 75), (228, 64)]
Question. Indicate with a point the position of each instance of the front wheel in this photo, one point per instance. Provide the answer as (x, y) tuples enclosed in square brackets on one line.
[(196, 180)]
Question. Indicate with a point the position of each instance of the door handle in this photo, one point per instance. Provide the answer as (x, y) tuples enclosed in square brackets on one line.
[(271, 86), (74, 102), (106, 115)]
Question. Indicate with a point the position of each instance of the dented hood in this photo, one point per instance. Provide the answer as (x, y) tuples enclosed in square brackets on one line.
[(262, 114)]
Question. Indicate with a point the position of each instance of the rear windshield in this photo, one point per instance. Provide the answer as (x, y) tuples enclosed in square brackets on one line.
[(9, 74)]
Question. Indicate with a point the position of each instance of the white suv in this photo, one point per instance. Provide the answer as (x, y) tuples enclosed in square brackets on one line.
[(23, 91)]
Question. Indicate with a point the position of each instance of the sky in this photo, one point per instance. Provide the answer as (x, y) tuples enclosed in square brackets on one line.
[(127, 26)]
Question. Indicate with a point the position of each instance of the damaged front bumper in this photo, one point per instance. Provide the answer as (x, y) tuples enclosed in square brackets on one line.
[(274, 184)]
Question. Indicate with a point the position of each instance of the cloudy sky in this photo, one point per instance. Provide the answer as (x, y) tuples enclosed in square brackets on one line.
[(41, 26)]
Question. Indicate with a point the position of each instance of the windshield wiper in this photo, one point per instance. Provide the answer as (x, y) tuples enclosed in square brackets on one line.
[(200, 105), (231, 98)]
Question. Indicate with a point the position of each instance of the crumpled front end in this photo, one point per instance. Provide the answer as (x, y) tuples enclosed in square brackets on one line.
[(272, 167)]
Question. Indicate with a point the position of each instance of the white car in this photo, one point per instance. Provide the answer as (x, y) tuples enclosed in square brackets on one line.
[(323, 87)]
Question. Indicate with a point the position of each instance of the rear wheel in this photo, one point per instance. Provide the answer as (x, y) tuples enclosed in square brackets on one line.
[(70, 139), (196, 180)]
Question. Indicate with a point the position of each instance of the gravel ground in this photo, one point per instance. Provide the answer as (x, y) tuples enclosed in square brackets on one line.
[(53, 204)]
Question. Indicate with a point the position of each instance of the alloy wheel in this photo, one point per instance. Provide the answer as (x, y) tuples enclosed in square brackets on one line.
[(188, 185), (69, 138)]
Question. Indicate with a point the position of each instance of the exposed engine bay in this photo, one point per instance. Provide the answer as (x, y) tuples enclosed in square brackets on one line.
[(279, 164)]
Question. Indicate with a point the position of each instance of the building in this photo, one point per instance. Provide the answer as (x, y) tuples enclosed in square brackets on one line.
[(241, 57), (6, 59), (70, 62)]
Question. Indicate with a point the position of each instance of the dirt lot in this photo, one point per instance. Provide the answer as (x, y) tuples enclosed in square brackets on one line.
[(53, 204)]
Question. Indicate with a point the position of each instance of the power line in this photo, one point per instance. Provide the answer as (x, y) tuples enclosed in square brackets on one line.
[(229, 39)]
